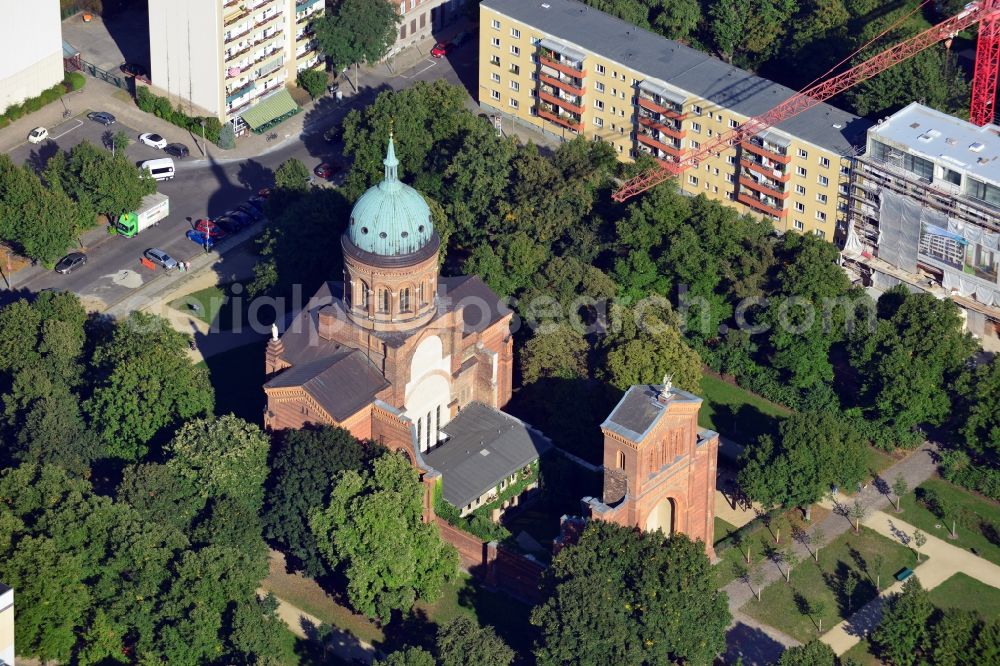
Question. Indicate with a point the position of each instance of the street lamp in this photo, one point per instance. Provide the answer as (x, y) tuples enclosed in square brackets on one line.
[(204, 142)]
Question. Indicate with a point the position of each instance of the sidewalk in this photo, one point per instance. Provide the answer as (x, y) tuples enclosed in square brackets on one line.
[(945, 560)]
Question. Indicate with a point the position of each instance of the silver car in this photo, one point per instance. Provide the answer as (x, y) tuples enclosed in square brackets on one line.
[(158, 256)]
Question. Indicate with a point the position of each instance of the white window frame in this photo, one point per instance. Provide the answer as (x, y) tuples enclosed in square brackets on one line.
[(515, 33), (496, 24), (495, 94), (599, 68), (598, 86), (515, 50), (495, 77)]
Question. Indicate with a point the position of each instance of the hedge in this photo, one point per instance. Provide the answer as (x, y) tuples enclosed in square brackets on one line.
[(479, 523), (73, 81), (161, 108)]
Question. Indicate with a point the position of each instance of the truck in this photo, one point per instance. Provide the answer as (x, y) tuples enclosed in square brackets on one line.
[(154, 207)]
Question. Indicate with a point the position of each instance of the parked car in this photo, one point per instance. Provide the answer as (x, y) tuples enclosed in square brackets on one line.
[(254, 213), (102, 117), (178, 150), (38, 135), (256, 202), (71, 262), (200, 239), (153, 140), (264, 192), (440, 50), (158, 256), (333, 87), (133, 69), (326, 170), (243, 219), (210, 229)]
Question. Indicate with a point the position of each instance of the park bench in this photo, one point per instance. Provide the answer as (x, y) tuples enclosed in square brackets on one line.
[(904, 574)]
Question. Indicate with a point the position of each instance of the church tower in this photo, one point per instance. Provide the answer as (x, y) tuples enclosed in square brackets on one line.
[(390, 256)]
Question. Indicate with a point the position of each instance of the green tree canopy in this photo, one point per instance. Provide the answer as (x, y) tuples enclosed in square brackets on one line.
[(303, 465), (461, 641), (903, 630), (106, 183), (372, 531), (646, 350), (813, 653), (623, 596), (555, 351), (357, 31), (54, 218)]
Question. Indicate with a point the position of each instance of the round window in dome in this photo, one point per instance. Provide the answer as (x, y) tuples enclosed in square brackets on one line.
[(383, 235), (405, 234), (420, 228), (364, 230)]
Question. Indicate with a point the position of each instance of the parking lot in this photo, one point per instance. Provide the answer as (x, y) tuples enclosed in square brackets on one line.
[(107, 44)]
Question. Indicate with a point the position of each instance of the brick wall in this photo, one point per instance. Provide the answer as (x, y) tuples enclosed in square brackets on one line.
[(471, 551)]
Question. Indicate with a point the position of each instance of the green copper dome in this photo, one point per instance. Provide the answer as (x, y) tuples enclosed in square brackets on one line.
[(391, 218)]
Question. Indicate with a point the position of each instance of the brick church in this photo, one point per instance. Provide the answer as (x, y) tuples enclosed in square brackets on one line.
[(422, 364)]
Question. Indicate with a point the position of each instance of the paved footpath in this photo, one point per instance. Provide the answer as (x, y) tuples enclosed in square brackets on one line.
[(945, 560), (749, 641)]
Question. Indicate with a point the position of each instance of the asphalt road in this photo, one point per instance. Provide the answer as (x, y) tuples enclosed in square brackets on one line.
[(204, 187)]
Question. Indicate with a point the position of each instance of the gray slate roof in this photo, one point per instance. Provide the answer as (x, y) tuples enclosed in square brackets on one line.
[(342, 383), (639, 409), (466, 471), (681, 66)]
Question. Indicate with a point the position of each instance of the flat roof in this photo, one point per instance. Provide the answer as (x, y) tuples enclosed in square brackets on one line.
[(640, 408), (683, 67), (944, 139)]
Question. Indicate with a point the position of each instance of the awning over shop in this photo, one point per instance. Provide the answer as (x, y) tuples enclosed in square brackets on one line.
[(270, 111)]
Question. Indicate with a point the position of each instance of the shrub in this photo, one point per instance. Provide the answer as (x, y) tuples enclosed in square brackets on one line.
[(161, 108), (33, 104), (958, 468), (227, 137), (313, 82), (76, 80), (14, 112)]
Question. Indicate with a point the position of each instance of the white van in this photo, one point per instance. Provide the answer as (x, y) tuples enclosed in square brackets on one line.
[(162, 169)]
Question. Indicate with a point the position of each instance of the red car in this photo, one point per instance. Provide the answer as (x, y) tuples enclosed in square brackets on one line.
[(264, 192), (326, 170), (210, 229), (440, 50)]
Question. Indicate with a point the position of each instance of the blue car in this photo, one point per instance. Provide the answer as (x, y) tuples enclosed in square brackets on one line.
[(200, 239)]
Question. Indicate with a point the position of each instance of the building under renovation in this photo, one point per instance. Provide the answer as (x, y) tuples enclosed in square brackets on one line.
[(924, 210)]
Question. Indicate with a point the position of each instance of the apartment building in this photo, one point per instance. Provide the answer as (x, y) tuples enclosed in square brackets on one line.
[(224, 57), (31, 33), (6, 626), (568, 69), (925, 211), (420, 19)]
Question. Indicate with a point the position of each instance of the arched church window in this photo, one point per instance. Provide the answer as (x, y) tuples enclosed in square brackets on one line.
[(363, 301), (383, 300), (404, 299), (620, 460), (420, 294)]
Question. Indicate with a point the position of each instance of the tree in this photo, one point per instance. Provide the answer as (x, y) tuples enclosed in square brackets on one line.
[(120, 141), (919, 539), (858, 513), (106, 183), (372, 531), (933, 76), (952, 637), (812, 452), (302, 466), (292, 176), (410, 656), (813, 653), (757, 580), (227, 137), (982, 420), (877, 563), (849, 586), (357, 31), (223, 456), (791, 560), (648, 349), (53, 215), (160, 495), (313, 81), (903, 631), (144, 383), (555, 351), (626, 597), (678, 19), (461, 641), (727, 24), (817, 539), (816, 609), (900, 488)]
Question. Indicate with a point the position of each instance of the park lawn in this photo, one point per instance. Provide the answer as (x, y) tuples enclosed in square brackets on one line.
[(759, 538), (966, 593), (785, 605), (877, 460), (862, 654), (978, 518), (735, 412), (204, 304), (722, 529)]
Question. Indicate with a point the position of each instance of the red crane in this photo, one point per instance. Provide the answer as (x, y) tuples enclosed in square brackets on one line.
[(984, 89)]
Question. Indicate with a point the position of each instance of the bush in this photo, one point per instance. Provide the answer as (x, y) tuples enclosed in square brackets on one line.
[(161, 108), (33, 104), (14, 112), (313, 82), (76, 80), (227, 137), (956, 467)]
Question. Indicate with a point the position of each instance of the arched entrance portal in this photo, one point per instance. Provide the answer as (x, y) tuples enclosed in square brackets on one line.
[(662, 517)]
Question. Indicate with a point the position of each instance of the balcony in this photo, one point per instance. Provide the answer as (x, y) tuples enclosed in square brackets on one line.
[(240, 92), (771, 151), (654, 123), (235, 16), (560, 63), (768, 207), (763, 187), (661, 106), (269, 20), (562, 119), (573, 106), (570, 84), (766, 169), (654, 142), (662, 157)]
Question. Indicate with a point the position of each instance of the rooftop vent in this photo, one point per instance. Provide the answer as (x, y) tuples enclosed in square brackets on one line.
[(977, 147), (914, 125), (950, 141), (484, 453), (838, 126), (545, 5)]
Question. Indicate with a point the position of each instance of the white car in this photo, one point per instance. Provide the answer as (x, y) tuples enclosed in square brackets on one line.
[(153, 140), (38, 135)]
